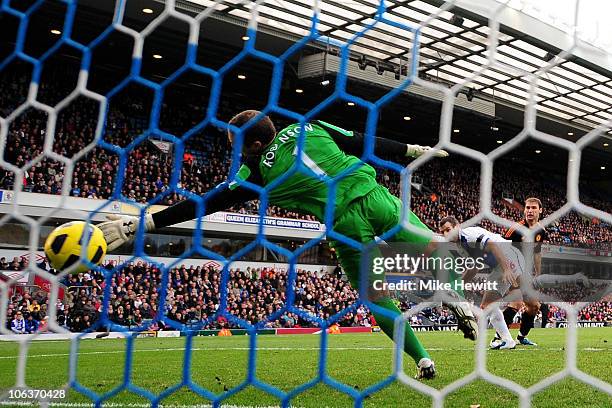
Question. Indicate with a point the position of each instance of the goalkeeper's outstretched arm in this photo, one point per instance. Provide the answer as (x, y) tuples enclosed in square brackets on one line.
[(121, 229), (186, 210), (352, 142)]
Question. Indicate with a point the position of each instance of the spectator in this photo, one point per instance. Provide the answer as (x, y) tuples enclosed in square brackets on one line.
[(18, 325), (31, 325)]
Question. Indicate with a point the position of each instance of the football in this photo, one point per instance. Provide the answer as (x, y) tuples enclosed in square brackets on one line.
[(63, 246)]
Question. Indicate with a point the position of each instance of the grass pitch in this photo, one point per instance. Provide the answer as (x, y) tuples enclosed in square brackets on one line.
[(219, 364)]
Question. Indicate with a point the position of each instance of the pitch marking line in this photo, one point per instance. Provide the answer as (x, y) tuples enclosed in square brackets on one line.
[(157, 350)]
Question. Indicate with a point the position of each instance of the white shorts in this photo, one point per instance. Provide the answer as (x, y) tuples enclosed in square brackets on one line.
[(516, 262)]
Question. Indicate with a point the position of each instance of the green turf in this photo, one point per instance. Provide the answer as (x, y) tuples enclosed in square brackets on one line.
[(358, 360)]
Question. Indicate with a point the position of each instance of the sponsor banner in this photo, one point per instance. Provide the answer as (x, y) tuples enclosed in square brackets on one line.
[(43, 336), (598, 252), (149, 333), (298, 330), (168, 334), (242, 265), (95, 335), (45, 285), (272, 222), (355, 330), (563, 250), (216, 217), (317, 330), (64, 336), (235, 332), (111, 335), (437, 327), (238, 219), (582, 324), (6, 196), (78, 204)]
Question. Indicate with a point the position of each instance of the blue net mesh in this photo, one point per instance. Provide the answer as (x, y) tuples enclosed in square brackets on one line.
[(152, 128), (24, 11)]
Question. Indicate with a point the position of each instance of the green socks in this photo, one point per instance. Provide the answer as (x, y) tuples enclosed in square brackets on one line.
[(412, 345)]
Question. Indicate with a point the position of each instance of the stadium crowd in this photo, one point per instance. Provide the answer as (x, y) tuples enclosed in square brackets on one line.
[(595, 312), (460, 197), (17, 264), (442, 187), (148, 174), (192, 296)]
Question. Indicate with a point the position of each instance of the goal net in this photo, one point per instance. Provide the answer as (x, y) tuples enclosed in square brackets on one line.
[(123, 107)]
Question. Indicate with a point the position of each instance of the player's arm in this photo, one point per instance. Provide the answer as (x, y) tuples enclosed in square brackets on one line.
[(491, 243), (537, 263), (494, 248), (187, 209), (537, 256), (121, 229), (352, 142)]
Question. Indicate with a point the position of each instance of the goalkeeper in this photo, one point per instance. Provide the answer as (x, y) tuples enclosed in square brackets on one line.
[(363, 208)]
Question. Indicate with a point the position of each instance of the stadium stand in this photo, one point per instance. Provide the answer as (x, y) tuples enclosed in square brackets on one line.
[(595, 312), (452, 186), (446, 187), (193, 296), (441, 188)]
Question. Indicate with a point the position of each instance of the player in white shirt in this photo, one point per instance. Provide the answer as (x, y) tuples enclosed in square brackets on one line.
[(506, 262)]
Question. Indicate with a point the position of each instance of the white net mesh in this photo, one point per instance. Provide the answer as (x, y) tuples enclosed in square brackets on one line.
[(442, 57)]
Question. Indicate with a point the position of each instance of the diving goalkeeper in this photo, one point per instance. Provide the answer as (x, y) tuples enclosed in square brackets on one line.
[(363, 208)]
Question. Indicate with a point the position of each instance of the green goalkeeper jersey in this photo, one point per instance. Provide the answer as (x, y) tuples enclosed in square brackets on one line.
[(306, 190), (329, 159)]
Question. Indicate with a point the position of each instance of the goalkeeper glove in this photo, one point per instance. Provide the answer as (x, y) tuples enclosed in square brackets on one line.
[(121, 229), (416, 151)]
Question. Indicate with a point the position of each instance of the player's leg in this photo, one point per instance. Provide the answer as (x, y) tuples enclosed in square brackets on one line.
[(353, 224), (527, 319), (350, 259), (384, 213), (505, 291), (510, 312), (496, 319), (532, 307), (544, 310)]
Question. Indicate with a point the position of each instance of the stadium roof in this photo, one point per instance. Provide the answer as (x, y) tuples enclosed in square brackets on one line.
[(577, 90)]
